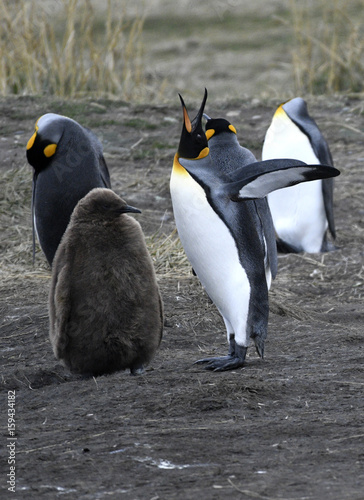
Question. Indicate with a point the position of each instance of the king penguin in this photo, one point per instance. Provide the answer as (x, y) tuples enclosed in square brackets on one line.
[(303, 215), (228, 155), (105, 308), (224, 237), (68, 162)]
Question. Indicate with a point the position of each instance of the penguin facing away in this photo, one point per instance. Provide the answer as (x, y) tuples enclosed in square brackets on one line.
[(303, 215), (68, 162), (105, 309), (226, 239)]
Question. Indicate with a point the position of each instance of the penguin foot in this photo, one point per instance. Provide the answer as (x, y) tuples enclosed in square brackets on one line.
[(234, 360), (284, 247), (137, 369)]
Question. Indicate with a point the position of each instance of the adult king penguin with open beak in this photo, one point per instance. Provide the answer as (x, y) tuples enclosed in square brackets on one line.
[(224, 235)]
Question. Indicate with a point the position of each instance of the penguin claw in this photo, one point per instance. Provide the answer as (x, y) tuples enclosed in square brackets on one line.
[(210, 360), (221, 364), (224, 363)]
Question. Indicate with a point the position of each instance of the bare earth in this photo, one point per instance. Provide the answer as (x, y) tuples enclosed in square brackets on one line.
[(288, 427)]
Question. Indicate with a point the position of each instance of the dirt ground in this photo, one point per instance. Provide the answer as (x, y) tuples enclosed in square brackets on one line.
[(289, 427)]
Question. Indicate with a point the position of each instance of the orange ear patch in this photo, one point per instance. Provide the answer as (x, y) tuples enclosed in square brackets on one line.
[(203, 153), (209, 133), (31, 141), (50, 150)]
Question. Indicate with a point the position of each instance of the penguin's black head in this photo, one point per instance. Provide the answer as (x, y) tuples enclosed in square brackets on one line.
[(216, 126), (193, 140), (102, 204), (39, 152), (43, 144)]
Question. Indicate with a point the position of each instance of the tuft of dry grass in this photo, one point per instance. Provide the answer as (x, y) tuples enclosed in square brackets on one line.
[(168, 256), (15, 202), (169, 259), (70, 52), (328, 48), (16, 242)]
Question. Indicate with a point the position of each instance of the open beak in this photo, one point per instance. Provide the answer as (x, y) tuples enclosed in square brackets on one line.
[(196, 122)]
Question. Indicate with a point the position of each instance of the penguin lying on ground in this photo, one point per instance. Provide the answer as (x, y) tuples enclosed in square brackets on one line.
[(302, 214), (68, 162), (106, 312), (229, 241)]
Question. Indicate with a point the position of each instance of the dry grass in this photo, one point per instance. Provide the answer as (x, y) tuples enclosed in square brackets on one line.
[(167, 253), (328, 53), (15, 201), (73, 48), (168, 256), (16, 243), (70, 52)]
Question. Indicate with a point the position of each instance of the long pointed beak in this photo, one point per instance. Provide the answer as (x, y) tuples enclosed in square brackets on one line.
[(186, 118), (193, 140), (198, 118)]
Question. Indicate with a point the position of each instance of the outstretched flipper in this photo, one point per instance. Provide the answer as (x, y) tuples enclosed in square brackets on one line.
[(260, 178)]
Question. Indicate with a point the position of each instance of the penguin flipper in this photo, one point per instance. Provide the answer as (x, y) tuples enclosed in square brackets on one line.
[(324, 155), (104, 172), (297, 111), (265, 217), (262, 177), (34, 183), (257, 179), (328, 195)]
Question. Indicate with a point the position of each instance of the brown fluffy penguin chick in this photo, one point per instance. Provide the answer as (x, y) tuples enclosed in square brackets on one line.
[(105, 309)]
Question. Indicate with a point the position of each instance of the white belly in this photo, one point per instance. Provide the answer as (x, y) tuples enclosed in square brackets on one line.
[(298, 212), (212, 252)]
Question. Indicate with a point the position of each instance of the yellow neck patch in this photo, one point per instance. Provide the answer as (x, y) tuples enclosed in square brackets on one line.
[(232, 128), (177, 167), (280, 113)]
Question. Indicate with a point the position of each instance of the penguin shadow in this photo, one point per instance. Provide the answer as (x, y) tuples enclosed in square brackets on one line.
[(40, 377), (54, 376)]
